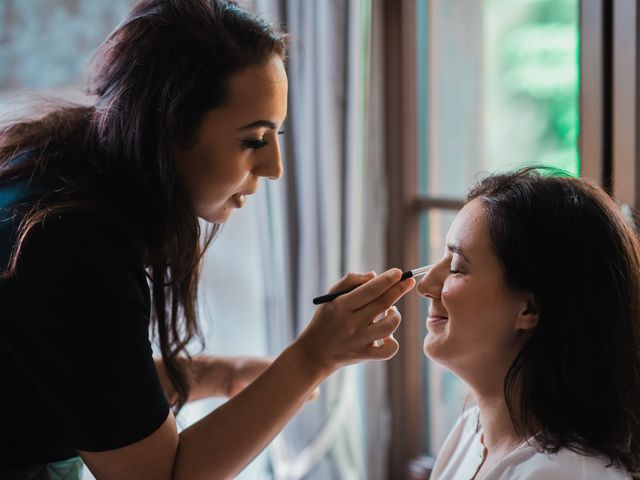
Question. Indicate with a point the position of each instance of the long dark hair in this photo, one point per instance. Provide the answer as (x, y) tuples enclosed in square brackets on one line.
[(577, 377), (155, 77)]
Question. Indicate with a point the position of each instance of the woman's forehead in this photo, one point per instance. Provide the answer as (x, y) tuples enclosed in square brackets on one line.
[(259, 82), (469, 229), (257, 93)]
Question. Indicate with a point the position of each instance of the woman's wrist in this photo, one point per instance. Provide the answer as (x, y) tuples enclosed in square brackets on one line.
[(307, 361)]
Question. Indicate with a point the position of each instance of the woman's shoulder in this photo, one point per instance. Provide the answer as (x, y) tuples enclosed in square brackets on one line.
[(75, 197), (95, 233), (74, 244), (565, 464), (76, 262), (85, 220)]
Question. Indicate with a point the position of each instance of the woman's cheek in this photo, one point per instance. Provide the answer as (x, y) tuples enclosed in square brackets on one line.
[(450, 293), (447, 289)]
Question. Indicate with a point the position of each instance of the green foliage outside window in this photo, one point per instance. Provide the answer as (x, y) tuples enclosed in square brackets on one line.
[(536, 71)]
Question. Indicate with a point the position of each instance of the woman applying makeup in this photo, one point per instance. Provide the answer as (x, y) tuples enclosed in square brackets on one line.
[(99, 238), (535, 305)]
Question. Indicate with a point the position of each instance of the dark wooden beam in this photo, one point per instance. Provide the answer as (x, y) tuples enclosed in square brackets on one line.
[(625, 158), (423, 203), (595, 86), (405, 370)]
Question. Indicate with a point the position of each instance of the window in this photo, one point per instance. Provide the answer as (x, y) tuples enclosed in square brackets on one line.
[(492, 94), (475, 87)]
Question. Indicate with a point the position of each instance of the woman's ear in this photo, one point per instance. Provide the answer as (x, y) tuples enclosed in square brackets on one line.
[(529, 315)]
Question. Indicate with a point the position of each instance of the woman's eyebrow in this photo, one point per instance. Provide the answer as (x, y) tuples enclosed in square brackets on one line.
[(259, 124), (457, 250)]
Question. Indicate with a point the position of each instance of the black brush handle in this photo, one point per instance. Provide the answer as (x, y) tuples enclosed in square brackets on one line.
[(330, 296)]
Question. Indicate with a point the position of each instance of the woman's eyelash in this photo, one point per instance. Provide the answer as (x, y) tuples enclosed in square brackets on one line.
[(254, 144)]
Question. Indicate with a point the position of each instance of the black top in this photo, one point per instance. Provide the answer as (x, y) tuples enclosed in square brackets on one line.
[(76, 365)]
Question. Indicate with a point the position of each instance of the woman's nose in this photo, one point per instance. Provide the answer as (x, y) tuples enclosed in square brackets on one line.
[(270, 164), (430, 285)]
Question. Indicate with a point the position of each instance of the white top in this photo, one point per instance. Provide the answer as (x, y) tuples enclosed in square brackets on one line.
[(463, 452)]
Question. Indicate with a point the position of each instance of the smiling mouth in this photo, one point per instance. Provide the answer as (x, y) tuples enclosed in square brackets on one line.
[(436, 319)]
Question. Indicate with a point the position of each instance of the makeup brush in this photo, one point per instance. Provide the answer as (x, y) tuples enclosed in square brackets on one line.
[(416, 272)]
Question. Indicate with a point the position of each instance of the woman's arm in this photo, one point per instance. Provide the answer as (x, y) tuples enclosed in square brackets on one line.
[(211, 376), (249, 421), (224, 442)]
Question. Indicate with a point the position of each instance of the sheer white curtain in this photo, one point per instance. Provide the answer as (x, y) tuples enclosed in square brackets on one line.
[(325, 218)]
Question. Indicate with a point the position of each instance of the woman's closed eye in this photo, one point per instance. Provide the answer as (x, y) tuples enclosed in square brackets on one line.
[(454, 270), (255, 144)]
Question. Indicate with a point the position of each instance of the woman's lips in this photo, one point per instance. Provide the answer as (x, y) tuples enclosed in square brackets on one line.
[(436, 319), (239, 200)]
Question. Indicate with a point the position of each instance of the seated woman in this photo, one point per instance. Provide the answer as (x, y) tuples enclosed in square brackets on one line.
[(536, 306)]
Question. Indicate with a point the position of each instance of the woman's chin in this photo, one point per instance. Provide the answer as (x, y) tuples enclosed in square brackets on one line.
[(433, 347), (213, 218), (219, 215)]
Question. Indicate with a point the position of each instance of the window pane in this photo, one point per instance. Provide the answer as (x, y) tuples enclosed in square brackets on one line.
[(531, 83), (493, 94)]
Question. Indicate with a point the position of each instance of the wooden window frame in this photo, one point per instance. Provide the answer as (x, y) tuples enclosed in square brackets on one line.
[(405, 392)]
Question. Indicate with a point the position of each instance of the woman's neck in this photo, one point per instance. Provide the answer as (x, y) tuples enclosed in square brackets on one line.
[(497, 429)]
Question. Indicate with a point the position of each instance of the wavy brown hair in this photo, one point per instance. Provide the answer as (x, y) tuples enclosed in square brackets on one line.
[(155, 77), (576, 382)]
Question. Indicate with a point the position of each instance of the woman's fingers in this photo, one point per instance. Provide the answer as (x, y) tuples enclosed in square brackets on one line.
[(384, 351), (352, 280), (385, 326), (314, 395), (371, 290), (341, 331), (386, 300)]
